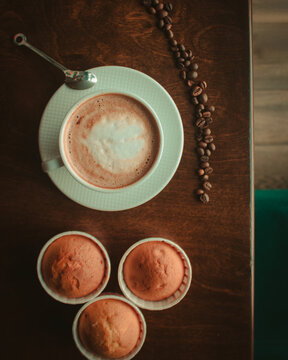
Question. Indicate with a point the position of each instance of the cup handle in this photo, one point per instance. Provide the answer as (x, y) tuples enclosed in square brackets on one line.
[(51, 165)]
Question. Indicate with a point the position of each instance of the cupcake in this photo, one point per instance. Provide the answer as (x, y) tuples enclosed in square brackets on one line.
[(109, 327), (155, 273), (73, 267)]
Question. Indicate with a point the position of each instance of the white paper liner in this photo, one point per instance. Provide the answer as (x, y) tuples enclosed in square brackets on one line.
[(69, 300), (171, 300), (92, 356)]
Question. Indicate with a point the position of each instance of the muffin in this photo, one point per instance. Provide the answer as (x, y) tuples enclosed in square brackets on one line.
[(155, 273), (109, 327), (74, 265)]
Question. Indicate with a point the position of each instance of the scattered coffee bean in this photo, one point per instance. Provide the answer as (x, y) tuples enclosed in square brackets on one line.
[(207, 131), (205, 178), (196, 91), (189, 53), (194, 100), (205, 165), (152, 10), (169, 34), (147, 2), (168, 7), (202, 144), (168, 26), (160, 24), (180, 60), (200, 151), (201, 172), (208, 152), (194, 67), (174, 48), (192, 75), (187, 63), (200, 192), (203, 98), (200, 107), (211, 108), (162, 14), (209, 120), (183, 74), (200, 122), (180, 65), (208, 139), (208, 170), (173, 42), (177, 54), (189, 82), (199, 138), (155, 2), (168, 20), (204, 198), (204, 158), (206, 114), (160, 6), (203, 84), (181, 47), (212, 147), (207, 186)]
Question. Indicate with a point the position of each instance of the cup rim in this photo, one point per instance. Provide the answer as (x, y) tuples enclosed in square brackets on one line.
[(99, 188), (70, 300), (158, 304), (115, 296)]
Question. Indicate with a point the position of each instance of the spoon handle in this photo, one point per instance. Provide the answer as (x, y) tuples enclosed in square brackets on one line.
[(21, 39)]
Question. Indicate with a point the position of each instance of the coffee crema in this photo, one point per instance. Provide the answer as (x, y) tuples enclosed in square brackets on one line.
[(111, 140)]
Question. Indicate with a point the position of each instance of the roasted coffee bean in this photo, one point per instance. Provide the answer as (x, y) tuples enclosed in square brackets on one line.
[(160, 24), (192, 75), (203, 98), (162, 14), (147, 2), (160, 6), (155, 2), (204, 198), (189, 53), (204, 158), (172, 42), (211, 108), (177, 54), (205, 165), (208, 170), (196, 90), (207, 185), (207, 131), (152, 10), (169, 34), (200, 192), (189, 82), (168, 26), (180, 65), (168, 7), (181, 47), (202, 144), (187, 63), (206, 114), (184, 54), (212, 147), (180, 60), (199, 138), (208, 139), (183, 74), (205, 178), (200, 151), (194, 67), (209, 120), (194, 100), (203, 84), (174, 48), (201, 172), (200, 122), (208, 152), (200, 107), (168, 20)]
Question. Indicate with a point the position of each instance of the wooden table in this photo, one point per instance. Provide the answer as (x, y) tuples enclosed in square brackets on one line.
[(215, 320)]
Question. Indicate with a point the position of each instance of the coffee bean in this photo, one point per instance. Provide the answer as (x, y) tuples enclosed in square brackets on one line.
[(209, 120), (205, 178), (201, 172), (183, 74), (212, 147), (189, 53), (194, 100), (205, 165), (177, 54), (207, 185), (203, 84), (211, 108), (206, 114), (204, 198), (208, 152), (208, 139), (194, 67), (181, 47), (192, 75), (168, 26), (200, 122), (200, 107), (174, 48), (147, 2), (168, 20), (207, 131), (187, 63), (155, 2), (200, 192), (168, 7), (160, 24), (180, 65), (208, 170), (204, 158), (202, 144), (152, 10), (184, 54), (200, 151), (203, 98), (160, 6), (196, 90), (199, 138), (189, 82), (169, 34), (172, 42), (162, 14)]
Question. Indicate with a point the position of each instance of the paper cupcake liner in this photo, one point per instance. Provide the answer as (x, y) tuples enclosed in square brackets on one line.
[(78, 300), (171, 300), (92, 356)]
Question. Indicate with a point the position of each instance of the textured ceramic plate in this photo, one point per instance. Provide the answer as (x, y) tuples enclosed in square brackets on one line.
[(143, 86)]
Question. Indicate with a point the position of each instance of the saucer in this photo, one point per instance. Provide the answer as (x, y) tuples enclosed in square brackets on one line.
[(124, 79)]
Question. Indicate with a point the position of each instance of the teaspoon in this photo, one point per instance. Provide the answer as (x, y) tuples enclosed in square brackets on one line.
[(79, 80)]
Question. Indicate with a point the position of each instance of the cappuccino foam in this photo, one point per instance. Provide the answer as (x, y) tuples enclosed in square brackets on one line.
[(111, 140)]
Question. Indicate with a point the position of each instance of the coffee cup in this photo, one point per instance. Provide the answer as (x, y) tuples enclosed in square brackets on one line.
[(109, 141)]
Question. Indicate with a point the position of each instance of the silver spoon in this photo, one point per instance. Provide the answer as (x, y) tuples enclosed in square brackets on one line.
[(79, 80)]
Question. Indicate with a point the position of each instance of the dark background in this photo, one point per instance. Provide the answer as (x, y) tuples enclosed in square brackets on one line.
[(214, 319)]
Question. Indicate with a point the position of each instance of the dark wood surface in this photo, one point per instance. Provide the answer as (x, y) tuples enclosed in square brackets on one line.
[(214, 321)]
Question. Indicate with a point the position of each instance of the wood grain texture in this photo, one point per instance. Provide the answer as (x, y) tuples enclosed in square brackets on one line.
[(214, 321)]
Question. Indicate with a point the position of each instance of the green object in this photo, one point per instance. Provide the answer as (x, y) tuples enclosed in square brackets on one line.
[(271, 274)]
